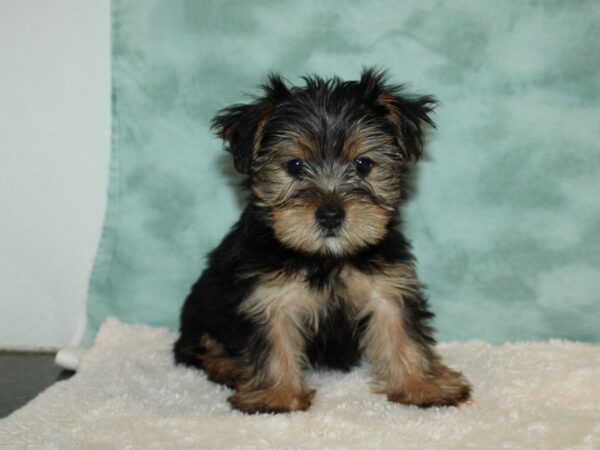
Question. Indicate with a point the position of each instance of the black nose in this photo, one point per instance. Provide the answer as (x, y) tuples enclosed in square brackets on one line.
[(330, 216)]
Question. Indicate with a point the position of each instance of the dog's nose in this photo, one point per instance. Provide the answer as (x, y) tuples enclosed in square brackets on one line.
[(330, 216)]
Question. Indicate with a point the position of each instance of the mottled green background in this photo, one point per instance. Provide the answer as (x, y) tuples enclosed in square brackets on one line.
[(506, 221)]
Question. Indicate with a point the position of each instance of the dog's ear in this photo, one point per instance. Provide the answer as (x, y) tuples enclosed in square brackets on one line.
[(241, 125), (406, 115)]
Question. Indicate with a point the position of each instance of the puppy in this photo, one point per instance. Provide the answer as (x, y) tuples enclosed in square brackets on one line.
[(316, 273)]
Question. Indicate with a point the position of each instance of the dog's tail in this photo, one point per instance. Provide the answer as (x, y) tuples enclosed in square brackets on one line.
[(186, 350)]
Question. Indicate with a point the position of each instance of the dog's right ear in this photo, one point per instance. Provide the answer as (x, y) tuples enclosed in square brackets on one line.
[(241, 126)]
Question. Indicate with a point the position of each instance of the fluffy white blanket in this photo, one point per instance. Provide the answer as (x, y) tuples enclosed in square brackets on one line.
[(128, 394)]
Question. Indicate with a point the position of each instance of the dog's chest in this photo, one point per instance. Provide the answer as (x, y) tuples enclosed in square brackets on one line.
[(342, 286)]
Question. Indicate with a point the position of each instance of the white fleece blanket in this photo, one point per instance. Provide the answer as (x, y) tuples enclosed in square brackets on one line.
[(128, 394)]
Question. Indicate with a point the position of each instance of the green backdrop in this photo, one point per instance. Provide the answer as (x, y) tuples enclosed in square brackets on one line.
[(506, 221)]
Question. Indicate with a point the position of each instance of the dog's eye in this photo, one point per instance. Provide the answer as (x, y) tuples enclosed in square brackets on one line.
[(363, 166), (295, 168)]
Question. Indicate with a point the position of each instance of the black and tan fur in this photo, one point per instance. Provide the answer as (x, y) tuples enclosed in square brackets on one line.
[(316, 272)]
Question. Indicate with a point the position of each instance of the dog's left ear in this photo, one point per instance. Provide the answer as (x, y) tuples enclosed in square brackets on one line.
[(407, 115), (241, 125)]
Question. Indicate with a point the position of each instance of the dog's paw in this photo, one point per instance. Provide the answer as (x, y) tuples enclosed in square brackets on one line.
[(446, 387), (274, 400)]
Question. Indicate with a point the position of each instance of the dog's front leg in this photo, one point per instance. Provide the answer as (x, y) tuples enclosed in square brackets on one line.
[(398, 342), (281, 310)]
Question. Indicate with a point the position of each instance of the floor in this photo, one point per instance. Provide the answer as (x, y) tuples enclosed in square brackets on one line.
[(23, 376)]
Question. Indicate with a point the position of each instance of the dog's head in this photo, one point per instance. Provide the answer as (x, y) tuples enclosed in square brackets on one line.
[(328, 161)]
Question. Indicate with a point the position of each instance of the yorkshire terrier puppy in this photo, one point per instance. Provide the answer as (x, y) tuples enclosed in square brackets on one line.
[(316, 272)]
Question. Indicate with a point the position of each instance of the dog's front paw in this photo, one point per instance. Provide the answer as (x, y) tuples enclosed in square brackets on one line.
[(446, 387), (273, 400)]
